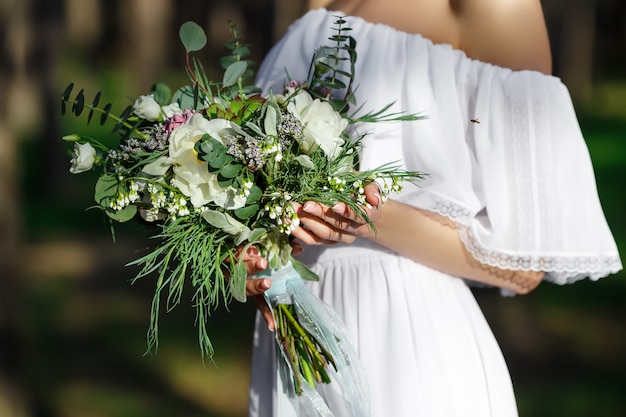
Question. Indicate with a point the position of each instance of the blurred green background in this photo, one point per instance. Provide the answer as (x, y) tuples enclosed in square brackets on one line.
[(72, 328)]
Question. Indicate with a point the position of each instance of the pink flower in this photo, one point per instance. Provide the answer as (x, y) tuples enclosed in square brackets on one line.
[(176, 120)]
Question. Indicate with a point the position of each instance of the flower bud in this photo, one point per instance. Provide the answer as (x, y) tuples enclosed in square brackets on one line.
[(83, 158)]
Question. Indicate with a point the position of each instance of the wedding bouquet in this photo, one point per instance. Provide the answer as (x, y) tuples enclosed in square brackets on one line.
[(217, 166)]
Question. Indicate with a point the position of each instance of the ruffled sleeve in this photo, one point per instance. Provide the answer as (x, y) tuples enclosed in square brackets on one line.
[(503, 150), (522, 187)]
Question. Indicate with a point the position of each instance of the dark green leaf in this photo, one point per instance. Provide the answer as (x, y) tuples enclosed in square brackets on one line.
[(231, 170), (223, 182), (94, 104), (105, 113), (255, 195), (246, 212), (67, 92), (192, 36), (242, 51), (123, 117), (79, 105), (162, 93)]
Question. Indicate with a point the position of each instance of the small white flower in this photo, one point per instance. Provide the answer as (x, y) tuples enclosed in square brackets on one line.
[(147, 108), (83, 158)]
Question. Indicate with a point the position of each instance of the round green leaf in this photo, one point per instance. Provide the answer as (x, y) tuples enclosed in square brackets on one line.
[(124, 215), (246, 212), (162, 93), (106, 188), (255, 195), (231, 170), (192, 36)]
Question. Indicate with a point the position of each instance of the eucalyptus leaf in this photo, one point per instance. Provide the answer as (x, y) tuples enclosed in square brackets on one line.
[(257, 234), (184, 97), (106, 188), (231, 170), (233, 72), (192, 36), (123, 215), (246, 212), (255, 194), (224, 221), (162, 93)]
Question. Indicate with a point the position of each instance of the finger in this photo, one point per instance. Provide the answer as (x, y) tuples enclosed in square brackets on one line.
[(306, 237), (313, 212), (314, 231), (296, 248), (257, 286), (254, 261), (266, 312)]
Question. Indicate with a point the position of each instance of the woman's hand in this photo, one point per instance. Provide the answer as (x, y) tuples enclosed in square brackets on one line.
[(323, 225), (255, 287)]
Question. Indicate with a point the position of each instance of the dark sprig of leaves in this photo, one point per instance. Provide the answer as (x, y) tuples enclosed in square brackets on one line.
[(125, 123), (237, 68), (328, 70)]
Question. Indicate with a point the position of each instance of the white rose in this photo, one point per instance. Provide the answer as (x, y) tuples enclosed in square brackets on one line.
[(83, 157), (324, 127), (171, 109), (191, 176), (147, 108)]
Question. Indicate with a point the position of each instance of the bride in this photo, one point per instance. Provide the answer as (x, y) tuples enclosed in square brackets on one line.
[(510, 200)]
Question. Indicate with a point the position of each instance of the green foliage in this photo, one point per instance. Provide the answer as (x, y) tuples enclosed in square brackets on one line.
[(192, 36), (125, 125)]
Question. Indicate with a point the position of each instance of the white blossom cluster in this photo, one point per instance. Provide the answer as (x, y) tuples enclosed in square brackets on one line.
[(281, 211)]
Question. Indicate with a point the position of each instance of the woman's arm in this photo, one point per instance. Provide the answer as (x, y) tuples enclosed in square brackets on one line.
[(422, 236)]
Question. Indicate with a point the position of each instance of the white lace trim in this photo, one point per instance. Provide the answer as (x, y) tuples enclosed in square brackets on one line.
[(559, 269)]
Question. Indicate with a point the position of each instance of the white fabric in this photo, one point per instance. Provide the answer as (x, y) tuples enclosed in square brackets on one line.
[(519, 184)]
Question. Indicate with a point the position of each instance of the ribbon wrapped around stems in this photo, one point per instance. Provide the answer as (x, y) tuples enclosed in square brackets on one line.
[(317, 365)]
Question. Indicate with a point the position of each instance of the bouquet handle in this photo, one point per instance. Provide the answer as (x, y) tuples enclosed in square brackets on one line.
[(347, 394)]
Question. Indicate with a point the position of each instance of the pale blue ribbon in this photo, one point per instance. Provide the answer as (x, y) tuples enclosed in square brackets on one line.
[(348, 393)]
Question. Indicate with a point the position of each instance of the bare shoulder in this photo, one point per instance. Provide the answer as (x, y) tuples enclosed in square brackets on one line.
[(508, 33)]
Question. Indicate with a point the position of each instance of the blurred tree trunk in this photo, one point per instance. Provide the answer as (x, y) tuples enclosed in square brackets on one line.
[(145, 26), (13, 401), (572, 27)]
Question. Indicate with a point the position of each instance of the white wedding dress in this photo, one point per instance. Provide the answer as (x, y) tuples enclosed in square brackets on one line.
[(519, 184)]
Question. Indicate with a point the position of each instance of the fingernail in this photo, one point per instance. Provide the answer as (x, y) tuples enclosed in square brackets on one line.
[(378, 199), (308, 207), (265, 284), (253, 251), (339, 208)]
